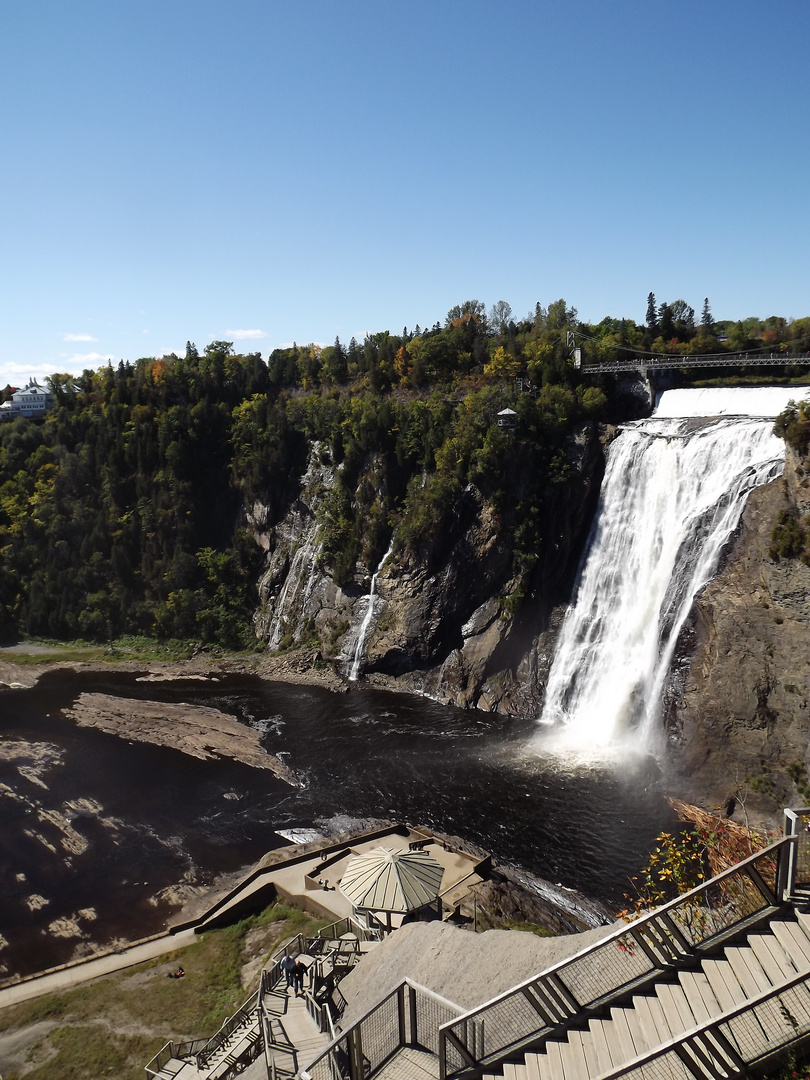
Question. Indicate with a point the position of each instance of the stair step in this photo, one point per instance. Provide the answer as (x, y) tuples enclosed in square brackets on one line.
[(600, 1046), (541, 1063), (641, 1042), (725, 987), (775, 961), (512, 1071), (554, 1060), (648, 1022), (591, 1058), (572, 1055), (803, 918), (692, 984), (748, 970), (675, 1006), (794, 941), (619, 1038), (533, 1067)]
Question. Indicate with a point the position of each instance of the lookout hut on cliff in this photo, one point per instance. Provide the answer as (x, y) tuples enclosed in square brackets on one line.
[(507, 420), (389, 883)]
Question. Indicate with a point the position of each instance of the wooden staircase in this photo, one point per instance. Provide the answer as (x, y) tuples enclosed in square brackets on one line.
[(676, 1028)]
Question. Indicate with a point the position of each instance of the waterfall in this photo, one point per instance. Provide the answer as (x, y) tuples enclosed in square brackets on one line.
[(304, 562), (365, 625), (673, 493)]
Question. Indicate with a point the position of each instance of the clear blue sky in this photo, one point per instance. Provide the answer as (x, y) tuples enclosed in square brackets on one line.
[(266, 172)]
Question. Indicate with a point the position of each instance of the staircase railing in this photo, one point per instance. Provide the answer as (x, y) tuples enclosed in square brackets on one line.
[(411, 1015), (321, 1014), (349, 925), (239, 1019), (797, 824), (177, 1050), (628, 959)]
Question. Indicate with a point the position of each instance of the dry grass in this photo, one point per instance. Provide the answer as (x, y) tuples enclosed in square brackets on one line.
[(727, 842)]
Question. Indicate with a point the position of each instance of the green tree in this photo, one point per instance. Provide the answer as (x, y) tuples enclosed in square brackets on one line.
[(652, 314)]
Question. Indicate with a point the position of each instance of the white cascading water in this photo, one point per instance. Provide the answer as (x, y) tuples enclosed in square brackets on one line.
[(674, 490), (365, 625), (298, 582)]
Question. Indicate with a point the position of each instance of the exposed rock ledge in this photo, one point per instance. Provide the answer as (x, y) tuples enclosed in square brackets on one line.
[(196, 730)]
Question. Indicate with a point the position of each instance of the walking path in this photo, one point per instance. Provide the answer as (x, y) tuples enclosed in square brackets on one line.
[(310, 880), (85, 970)]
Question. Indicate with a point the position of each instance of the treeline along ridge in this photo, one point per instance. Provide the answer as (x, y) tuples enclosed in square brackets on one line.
[(124, 509)]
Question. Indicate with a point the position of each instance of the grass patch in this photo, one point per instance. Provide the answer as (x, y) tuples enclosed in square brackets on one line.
[(83, 1052), (529, 928), (140, 649)]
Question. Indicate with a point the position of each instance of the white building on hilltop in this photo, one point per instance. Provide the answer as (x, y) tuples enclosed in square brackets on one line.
[(33, 401)]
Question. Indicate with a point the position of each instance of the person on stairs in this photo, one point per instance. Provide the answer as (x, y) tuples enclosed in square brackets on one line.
[(288, 967), (299, 971)]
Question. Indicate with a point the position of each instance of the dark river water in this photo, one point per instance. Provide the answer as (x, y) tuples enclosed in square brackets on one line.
[(140, 819)]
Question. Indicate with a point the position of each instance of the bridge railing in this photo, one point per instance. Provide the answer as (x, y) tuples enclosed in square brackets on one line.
[(713, 360), (629, 958)]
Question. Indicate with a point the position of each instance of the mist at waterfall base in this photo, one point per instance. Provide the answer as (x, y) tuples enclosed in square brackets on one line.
[(151, 816), (673, 493)]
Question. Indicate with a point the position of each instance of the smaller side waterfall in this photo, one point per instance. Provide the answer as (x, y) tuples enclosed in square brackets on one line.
[(365, 625), (302, 569)]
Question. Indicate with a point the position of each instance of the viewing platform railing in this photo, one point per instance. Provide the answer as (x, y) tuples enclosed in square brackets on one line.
[(349, 925), (410, 1016), (624, 962)]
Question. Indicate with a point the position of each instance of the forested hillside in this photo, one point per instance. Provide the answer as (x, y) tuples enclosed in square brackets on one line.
[(124, 509)]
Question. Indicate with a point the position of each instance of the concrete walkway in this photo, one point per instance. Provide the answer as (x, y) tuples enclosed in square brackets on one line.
[(94, 968)]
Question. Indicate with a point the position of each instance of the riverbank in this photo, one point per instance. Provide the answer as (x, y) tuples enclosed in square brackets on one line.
[(22, 665), (201, 732)]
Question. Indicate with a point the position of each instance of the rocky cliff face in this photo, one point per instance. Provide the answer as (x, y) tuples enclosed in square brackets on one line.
[(739, 720), (460, 624), (457, 620)]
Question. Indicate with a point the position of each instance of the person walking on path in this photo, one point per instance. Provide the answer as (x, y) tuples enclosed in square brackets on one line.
[(288, 967), (299, 971)]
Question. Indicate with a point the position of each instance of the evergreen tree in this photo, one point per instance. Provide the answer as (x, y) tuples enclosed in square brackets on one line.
[(652, 318)]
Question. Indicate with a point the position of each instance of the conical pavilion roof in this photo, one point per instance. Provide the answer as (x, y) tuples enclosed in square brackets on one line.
[(388, 880)]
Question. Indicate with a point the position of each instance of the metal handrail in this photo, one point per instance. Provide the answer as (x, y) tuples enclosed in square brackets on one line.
[(626, 959), (173, 1050), (239, 1019)]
